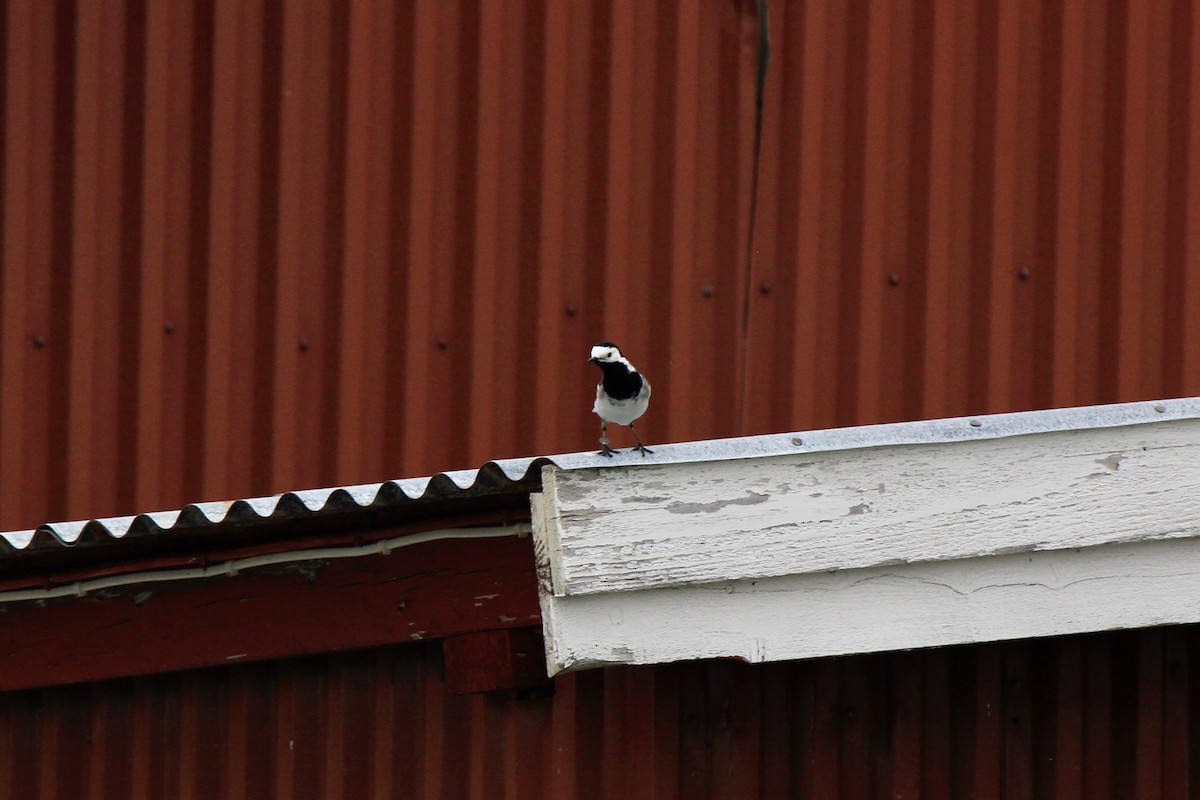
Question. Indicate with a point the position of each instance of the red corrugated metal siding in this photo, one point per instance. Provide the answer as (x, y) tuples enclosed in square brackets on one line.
[(1100, 716), (255, 246), (974, 206)]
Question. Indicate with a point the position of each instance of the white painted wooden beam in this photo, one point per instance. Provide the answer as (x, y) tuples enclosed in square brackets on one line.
[(880, 608), (686, 524), (869, 547)]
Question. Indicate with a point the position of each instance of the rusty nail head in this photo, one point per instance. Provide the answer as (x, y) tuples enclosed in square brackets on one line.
[(442, 343), (169, 327), (304, 345), (571, 310), (894, 278), (39, 342), (1023, 273), (707, 291), (765, 288)]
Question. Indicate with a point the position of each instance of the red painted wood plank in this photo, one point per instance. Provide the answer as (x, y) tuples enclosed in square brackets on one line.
[(479, 585), (491, 660)]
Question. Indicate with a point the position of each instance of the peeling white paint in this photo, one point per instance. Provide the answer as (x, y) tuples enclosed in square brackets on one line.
[(873, 548), (793, 514), (881, 608)]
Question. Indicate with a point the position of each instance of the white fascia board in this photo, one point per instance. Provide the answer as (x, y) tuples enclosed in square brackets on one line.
[(1047, 529), (880, 608)]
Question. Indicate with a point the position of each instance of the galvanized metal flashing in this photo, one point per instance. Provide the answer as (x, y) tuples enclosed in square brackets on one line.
[(523, 474)]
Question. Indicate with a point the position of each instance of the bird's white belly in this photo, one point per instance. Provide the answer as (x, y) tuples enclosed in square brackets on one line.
[(621, 412)]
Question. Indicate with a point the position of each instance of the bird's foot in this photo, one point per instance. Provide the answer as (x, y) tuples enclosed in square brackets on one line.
[(645, 451), (607, 452)]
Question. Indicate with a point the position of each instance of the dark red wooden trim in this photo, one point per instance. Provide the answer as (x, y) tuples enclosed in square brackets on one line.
[(58, 565), (424, 591), (491, 660)]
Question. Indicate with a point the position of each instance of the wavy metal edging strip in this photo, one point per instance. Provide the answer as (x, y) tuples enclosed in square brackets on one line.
[(506, 474)]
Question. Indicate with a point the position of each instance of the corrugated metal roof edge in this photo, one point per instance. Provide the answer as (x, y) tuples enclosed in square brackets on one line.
[(518, 474)]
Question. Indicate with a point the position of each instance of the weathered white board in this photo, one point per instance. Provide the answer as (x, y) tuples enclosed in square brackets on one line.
[(681, 525), (880, 608)]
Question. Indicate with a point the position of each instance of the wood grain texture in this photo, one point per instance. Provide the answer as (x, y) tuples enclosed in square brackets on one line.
[(427, 591), (898, 607), (488, 661), (688, 524)]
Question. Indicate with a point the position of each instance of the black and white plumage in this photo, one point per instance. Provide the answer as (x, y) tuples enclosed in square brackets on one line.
[(622, 395)]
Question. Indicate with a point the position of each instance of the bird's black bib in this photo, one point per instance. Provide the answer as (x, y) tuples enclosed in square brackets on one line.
[(619, 383)]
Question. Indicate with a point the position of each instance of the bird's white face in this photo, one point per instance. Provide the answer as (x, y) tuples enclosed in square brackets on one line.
[(605, 354)]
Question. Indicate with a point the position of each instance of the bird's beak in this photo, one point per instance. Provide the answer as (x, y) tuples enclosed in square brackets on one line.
[(591, 360)]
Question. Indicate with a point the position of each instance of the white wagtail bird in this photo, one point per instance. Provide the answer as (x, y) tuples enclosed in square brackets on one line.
[(622, 395)]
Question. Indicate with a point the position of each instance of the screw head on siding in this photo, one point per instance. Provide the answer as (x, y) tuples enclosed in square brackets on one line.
[(1023, 273), (38, 342), (707, 291), (572, 310), (894, 278), (303, 345), (766, 287), (168, 327), (442, 344)]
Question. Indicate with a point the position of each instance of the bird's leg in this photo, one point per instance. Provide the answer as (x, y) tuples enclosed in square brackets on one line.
[(644, 450), (607, 452)]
